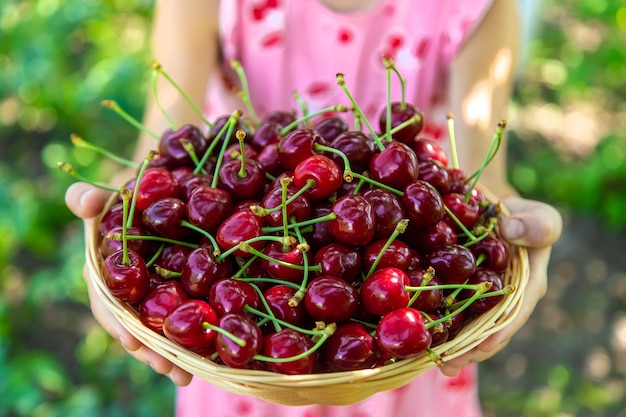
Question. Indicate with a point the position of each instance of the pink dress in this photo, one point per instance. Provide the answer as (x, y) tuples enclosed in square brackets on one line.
[(300, 45)]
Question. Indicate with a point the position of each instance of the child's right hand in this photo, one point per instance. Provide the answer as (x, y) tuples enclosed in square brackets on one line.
[(86, 202)]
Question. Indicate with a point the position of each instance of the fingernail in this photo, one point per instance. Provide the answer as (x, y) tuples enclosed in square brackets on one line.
[(82, 199), (514, 229)]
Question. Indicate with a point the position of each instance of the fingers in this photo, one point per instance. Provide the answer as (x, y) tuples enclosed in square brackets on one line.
[(531, 223), (85, 200)]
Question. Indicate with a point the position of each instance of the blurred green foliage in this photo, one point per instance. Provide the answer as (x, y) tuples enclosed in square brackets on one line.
[(60, 59)]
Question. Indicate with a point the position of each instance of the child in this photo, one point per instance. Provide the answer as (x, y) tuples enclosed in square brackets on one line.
[(457, 56)]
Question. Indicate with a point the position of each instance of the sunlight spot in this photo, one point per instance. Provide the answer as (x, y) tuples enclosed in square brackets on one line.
[(501, 67), (619, 334), (598, 364), (477, 106)]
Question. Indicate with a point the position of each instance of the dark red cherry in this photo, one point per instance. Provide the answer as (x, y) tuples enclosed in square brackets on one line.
[(402, 333), (453, 263), (143, 248), (331, 127), (231, 353), (170, 145), (385, 290), (355, 221), (191, 184), (491, 252), (208, 207), (230, 296), (159, 302), (277, 267), (298, 145), (127, 281), (427, 300), (320, 234), (340, 260), (396, 166), (357, 147), (268, 158), (439, 332), (423, 204), (426, 148), (200, 272), (397, 255), (243, 186), (331, 299), (173, 257), (323, 171), (187, 326), (279, 298), (436, 174), (483, 275), (466, 212), (400, 113), (155, 184), (164, 217), (388, 210), (350, 348), (429, 237), (240, 227), (288, 343), (113, 218)]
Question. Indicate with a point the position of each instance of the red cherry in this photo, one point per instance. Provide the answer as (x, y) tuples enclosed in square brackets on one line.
[(200, 272), (351, 347), (187, 326), (492, 252), (385, 290), (292, 256), (299, 209), (331, 127), (467, 212), (230, 296), (155, 184), (400, 113), (239, 227), (231, 353), (397, 255), (388, 210), (423, 204), (355, 221), (430, 149), (453, 263), (436, 174), (396, 166), (128, 282), (340, 260), (483, 275), (331, 300), (357, 147), (298, 145), (286, 344), (321, 169), (401, 333), (427, 300), (208, 207), (170, 145), (279, 298), (159, 302), (243, 187), (164, 218)]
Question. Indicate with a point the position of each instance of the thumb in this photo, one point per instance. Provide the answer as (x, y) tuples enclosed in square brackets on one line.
[(530, 223), (84, 200)]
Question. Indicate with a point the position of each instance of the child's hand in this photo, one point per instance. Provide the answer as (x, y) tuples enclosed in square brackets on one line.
[(86, 202), (534, 225)]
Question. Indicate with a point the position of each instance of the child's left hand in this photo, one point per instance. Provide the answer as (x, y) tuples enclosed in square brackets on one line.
[(537, 226)]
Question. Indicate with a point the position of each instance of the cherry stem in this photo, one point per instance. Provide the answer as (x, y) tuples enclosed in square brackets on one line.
[(149, 157), (340, 108), (261, 255), (69, 169), (390, 66), (378, 184), (341, 81), (415, 119), (388, 63), (188, 146), (241, 136), (159, 70), (110, 104), (347, 171), (253, 310), (245, 89), (427, 277), (79, 142), (216, 248), (236, 115), (245, 245), (269, 281), (459, 223), (156, 255), (239, 341), (284, 184), (303, 247), (270, 314), (399, 229), (465, 304), (494, 147), (220, 157), (166, 273), (126, 196), (243, 266), (358, 187), (118, 236), (452, 138), (155, 95), (320, 339), (262, 211), (302, 104), (507, 290), (328, 217)]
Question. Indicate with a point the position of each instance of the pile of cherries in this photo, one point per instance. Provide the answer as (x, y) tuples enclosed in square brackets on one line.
[(301, 245)]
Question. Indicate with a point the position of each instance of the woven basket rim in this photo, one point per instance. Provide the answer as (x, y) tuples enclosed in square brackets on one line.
[(334, 388)]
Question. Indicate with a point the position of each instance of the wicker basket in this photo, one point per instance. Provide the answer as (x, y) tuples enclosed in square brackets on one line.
[(338, 388)]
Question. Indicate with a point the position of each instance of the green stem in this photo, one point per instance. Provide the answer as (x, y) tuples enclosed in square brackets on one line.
[(336, 108), (273, 229), (79, 142), (110, 104), (400, 228), (378, 184), (245, 90)]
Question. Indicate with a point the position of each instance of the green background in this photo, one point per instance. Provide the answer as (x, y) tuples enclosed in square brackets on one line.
[(60, 59)]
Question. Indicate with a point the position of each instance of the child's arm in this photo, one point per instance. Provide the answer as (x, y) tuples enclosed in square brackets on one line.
[(185, 43), (481, 83)]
